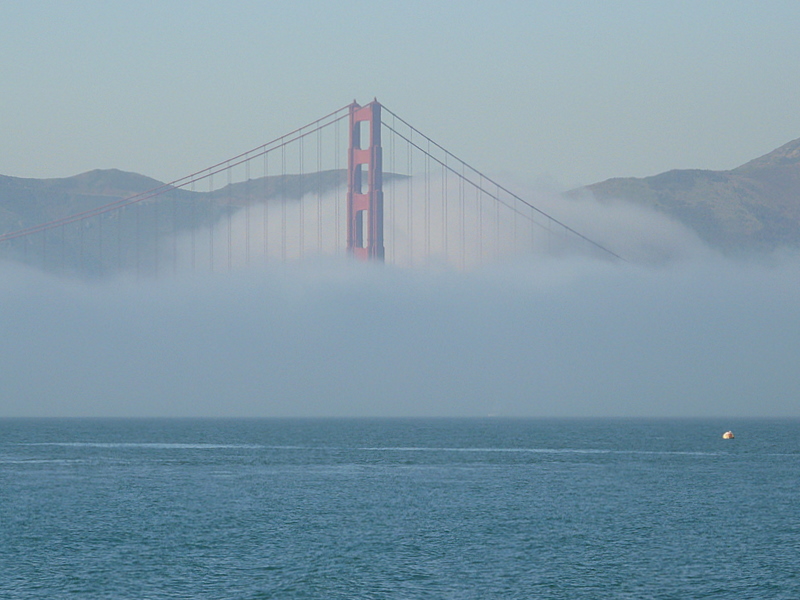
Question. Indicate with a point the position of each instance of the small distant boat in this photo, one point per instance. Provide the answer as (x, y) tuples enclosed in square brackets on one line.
[(728, 435)]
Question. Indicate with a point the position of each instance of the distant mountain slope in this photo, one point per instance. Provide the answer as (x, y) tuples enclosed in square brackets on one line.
[(755, 206), (98, 246), (26, 202)]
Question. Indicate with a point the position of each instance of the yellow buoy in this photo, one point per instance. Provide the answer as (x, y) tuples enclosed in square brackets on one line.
[(728, 435)]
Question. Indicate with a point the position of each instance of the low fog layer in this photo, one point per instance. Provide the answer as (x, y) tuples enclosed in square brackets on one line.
[(677, 330)]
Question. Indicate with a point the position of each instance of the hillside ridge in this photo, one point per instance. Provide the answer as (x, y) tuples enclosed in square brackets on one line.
[(755, 206)]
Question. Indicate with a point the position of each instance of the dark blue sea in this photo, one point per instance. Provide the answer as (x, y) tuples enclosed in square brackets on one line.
[(461, 509)]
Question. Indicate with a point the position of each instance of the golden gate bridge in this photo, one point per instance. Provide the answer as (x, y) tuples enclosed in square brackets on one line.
[(380, 190)]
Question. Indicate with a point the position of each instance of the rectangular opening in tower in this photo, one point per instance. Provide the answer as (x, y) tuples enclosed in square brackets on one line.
[(362, 134), (362, 228), (362, 179)]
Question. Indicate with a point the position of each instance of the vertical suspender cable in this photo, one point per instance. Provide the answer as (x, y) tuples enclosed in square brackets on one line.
[(479, 199), (444, 209), (497, 222), (532, 231), (337, 199), (120, 215), (174, 204), (265, 214), (63, 247), (138, 232), (99, 243), (514, 226), (428, 202), (212, 208), (463, 218), (230, 211), (283, 202), (300, 183), (81, 225), (410, 192), (193, 209), (392, 207), (156, 254), (319, 191), (247, 213)]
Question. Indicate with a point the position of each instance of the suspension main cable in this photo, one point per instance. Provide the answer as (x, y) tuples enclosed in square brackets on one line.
[(281, 142), (488, 179), (493, 182)]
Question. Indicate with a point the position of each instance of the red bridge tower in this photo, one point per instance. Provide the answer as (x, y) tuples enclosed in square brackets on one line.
[(365, 183)]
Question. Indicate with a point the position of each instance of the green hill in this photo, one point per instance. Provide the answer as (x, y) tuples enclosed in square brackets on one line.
[(753, 207), (103, 244)]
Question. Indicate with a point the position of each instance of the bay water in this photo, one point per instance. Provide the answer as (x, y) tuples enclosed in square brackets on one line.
[(399, 508)]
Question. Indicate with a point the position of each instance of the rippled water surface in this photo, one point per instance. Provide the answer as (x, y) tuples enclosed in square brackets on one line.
[(399, 509)]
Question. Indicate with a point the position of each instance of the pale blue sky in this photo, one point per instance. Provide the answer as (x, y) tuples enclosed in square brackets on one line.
[(569, 91)]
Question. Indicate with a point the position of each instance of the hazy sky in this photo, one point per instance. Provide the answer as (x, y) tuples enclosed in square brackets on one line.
[(571, 92), (556, 93)]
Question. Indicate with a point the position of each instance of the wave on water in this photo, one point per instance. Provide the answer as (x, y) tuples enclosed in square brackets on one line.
[(546, 451), (210, 446), (153, 445)]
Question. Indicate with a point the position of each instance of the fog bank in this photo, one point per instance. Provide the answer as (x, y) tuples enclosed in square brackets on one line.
[(703, 336)]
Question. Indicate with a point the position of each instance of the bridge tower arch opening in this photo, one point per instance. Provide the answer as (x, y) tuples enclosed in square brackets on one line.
[(365, 183)]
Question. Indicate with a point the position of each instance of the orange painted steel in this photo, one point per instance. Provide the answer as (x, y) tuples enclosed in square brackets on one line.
[(365, 194)]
